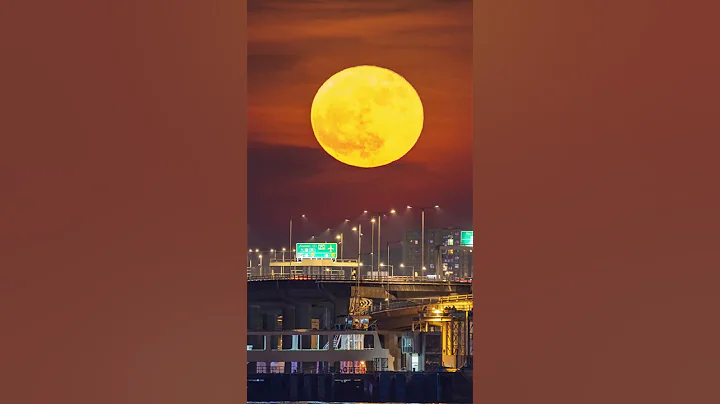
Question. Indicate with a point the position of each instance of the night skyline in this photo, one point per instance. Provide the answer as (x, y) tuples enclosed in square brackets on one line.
[(293, 47)]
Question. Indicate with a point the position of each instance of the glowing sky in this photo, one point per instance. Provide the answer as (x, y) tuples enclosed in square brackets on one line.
[(293, 47)]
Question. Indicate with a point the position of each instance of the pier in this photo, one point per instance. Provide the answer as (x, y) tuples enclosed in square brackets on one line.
[(379, 387)]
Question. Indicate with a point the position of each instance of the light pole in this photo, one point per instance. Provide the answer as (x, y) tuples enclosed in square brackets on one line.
[(282, 268), (391, 271), (359, 232), (412, 268), (372, 245), (388, 250), (341, 237), (379, 219), (387, 282), (422, 232), (291, 228)]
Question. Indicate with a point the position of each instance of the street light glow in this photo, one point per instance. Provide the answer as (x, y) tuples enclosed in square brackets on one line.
[(354, 229), (392, 211)]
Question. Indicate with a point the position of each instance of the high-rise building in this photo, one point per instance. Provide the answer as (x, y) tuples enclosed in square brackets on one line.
[(443, 251)]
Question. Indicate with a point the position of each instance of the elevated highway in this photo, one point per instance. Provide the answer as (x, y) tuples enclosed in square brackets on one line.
[(327, 297), (398, 315)]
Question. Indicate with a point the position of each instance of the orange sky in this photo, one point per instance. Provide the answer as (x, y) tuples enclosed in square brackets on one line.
[(294, 46)]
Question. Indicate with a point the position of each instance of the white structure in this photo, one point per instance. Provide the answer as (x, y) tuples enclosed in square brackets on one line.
[(350, 351)]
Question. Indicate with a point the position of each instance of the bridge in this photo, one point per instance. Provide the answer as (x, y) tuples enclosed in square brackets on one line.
[(399, 315), (461, 302), (307, 300)]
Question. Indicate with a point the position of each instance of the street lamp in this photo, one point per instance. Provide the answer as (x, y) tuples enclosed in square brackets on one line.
[(341, 237), (422, 232), (379, 216), (412, 269), (291, 228), (358, 229), (388, 249)]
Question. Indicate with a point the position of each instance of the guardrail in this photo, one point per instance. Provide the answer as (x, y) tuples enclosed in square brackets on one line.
[(349, 260), (344, 278), (419, 302)]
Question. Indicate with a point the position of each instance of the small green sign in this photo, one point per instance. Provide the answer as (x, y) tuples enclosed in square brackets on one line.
[(466, 237), (319, 251)]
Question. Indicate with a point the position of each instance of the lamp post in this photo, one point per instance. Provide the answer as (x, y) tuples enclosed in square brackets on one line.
[(388, 250), (379, 220), (412, 268), (372, 245), (422, 232), (282, 268), (359, 232), (291, 229), (341, 237)]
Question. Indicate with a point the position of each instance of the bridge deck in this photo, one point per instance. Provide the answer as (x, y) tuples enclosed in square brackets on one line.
[(341, 278), (419, 303)]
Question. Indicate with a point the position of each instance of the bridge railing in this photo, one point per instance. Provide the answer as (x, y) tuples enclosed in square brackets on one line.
[(334, 276), (419, 302), (288, 261)]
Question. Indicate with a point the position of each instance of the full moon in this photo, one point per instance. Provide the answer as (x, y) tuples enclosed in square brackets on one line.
[(367, 116)]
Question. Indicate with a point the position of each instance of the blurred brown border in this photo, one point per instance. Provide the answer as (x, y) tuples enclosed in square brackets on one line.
[(596, 202), (123, 202)]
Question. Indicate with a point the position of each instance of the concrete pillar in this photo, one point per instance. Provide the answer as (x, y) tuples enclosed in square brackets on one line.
[(269, 323), (342, 307), (254, 318), (254, 323), (303, 320)]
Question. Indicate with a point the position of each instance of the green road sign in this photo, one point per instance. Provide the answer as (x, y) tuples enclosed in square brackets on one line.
[(327, 251), (466, 238)]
